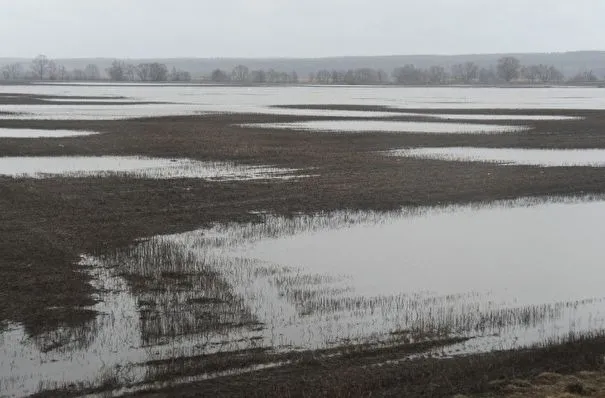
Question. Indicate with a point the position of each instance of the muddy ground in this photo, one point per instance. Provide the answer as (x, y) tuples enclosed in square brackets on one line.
[(45, 224)]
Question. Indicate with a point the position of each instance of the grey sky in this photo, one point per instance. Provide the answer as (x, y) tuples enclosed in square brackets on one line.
[(296, 28)]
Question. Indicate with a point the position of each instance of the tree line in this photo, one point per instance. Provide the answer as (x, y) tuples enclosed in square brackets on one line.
[(43, 68), (506, 70), (242, 74)]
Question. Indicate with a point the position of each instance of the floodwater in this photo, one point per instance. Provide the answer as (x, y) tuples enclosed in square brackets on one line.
[(39, 133), (135, 166), (510, 156), (352, 126), (195, 99), (477, 116), (507, 274)]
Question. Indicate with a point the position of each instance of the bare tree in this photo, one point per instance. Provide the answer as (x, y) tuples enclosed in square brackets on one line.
[(78, 74), (586, 76), (409, 74), (143, 72), (257, 76), (508, 68), (555, 75), (40, 66), (12, 71), (219, 76), (92, 72), (117, 71), (177, 75), (294, 77), (465, 72), (436, 75), (487, 76), (240, 73), (130, 72), (61, 73), (324, 76)]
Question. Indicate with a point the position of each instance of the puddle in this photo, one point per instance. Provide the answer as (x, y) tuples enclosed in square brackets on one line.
[(133, 166), (511, 156), (508, 274), (500, 117), (34, 133), (352, 126)]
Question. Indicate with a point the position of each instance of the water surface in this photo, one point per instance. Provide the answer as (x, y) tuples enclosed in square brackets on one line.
[(507, 274), (135, 166), (352, 126), (510, 156), (39, 133)]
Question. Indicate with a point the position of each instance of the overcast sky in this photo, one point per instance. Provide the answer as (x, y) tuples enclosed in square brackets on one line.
[(296, 28)]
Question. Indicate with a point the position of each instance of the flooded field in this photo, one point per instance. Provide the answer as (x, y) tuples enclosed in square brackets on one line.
[(133, 166), (110, 295), (189, 100), (351, 126), (36, 133), (500, 117), (506, 275), (511, 156)]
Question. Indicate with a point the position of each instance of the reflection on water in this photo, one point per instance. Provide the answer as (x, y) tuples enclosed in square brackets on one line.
[(511, 156), (134, 166), (507, 274), (388, 126)]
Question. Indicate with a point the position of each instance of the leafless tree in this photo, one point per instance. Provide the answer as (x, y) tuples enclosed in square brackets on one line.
[(508, 68), (143, 72), (219, 76), (130, 72), (257, 76), (12, 71), (555, 75), (240, 73), (465, 72), (409, 74), (61, 73), (487, 76), (40, 66), (324, 76), (436, 75), (177, 75), (117, 71), (586, 76), (294, 77), (92, 72), (78, 74)]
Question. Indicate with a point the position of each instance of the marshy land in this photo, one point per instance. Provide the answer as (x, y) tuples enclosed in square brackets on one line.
[(298, 241)]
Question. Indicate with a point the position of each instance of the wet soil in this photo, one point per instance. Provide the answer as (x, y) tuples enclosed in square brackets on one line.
[(46, 224)]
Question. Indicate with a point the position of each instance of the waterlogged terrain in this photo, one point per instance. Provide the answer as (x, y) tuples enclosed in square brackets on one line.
[(506, 275), (307, 274), (352, 126), (134, 166), (158, 100), (511, 156)]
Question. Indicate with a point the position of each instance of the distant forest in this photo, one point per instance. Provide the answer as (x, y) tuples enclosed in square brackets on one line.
[(502, 70)]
